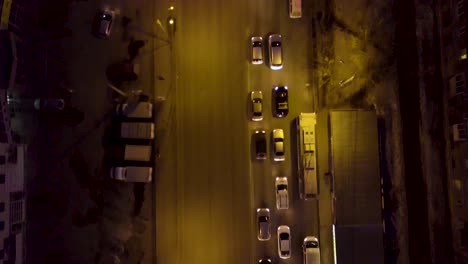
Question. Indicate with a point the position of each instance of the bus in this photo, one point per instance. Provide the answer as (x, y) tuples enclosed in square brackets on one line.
[(307, 156)]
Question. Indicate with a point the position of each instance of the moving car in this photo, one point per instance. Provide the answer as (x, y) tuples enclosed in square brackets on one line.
[(260, 145), (280, 96), (263, 223), (257, 50), (44, 104), (103, 22), (264, 261), (256, 98), (282, 197), (275, 51), (278, 145), (284, 242), (311, 250)]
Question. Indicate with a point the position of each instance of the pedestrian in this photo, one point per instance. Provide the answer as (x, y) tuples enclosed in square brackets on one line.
[(134, 47), (125, 21)]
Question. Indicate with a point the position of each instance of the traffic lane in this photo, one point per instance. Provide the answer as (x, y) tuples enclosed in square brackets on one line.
[(204, 83)]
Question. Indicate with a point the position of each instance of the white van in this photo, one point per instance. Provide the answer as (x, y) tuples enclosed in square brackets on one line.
[(311, 250), (135, 110), (137, 130), (137, 153), (132, 174), (295, 8)]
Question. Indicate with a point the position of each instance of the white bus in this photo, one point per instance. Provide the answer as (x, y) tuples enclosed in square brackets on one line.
[(295, 8), (307, 156)]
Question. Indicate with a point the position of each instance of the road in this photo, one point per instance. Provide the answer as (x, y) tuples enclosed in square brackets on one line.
[(208, 187)]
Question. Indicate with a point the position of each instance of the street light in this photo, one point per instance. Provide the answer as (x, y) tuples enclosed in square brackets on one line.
[(171, 22)]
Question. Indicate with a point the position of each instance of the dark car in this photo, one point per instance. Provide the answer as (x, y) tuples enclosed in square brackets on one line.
[(103, 24), (260, 144), (264, 261), (280, 95)]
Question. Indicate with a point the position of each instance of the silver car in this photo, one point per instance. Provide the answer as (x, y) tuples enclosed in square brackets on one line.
[(275, 51), (284, 242), (256, 44), (52, 104), (256, 97), (263, 222)]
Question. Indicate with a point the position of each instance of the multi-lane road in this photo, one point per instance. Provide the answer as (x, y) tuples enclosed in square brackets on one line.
[(208, 185)]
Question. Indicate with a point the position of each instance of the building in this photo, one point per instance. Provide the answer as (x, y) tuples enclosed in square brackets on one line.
[(349, 144), (452, 16), (12, 203)]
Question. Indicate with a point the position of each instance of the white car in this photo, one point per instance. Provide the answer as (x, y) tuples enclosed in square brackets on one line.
[(257, 50), (275, 51), (256, 97), (284, 242), (278, 145), (282, 196), (311, 250), (263, 222), (103, 23)]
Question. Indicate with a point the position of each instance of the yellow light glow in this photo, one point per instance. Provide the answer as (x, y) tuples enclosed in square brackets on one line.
[(171, 21), (171, 8), (463, 55)]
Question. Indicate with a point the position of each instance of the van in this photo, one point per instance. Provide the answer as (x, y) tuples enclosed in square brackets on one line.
[(295, 8), (311, 250), (137, 153), (137, 130), (135, 110), (132, 174)]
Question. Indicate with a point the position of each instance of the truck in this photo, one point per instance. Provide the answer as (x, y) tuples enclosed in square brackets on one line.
[(137, 130), (132, 174), (282, 197), (307, 156), (128, 152)]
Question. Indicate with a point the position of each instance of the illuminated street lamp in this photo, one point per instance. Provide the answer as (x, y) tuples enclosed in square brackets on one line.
[(171, 22)]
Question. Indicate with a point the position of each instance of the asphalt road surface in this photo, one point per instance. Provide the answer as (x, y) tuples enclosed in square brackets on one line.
[(208, 186)]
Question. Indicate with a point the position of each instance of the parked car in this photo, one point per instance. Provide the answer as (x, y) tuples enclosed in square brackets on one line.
[(282, 196), (132, 174), (103, 23), (256, 97), (280, 95), (278, 145), (260, 145), (284, 242), (264, 261), (257, 50), (135, 110), (53, 104), (275, 51), (263, 223)]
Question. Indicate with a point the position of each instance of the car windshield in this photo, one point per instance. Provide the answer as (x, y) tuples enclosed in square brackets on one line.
[(276, 44), (284, 236), (311, 244), (263, 219), (282, 187), (257, 44)]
